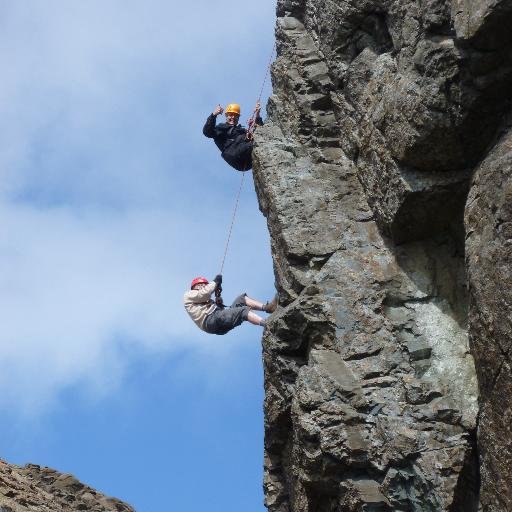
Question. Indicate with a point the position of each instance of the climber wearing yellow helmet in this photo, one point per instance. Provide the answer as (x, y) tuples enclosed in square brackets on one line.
[(230, 137)]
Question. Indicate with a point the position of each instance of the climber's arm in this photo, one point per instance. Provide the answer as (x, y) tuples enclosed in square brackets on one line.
[(257, 110), (202, 294), (209, 127)]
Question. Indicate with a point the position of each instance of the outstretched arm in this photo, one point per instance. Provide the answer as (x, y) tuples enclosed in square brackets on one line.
[(257, 110), (209, 127)]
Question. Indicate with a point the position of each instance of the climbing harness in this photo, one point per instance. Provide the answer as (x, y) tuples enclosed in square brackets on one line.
[(251, 128), (251, 123)]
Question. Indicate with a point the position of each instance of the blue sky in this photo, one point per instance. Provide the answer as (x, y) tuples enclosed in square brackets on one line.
[(111, 200)]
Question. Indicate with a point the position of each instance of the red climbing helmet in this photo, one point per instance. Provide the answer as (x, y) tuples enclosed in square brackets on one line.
[(198, 280)]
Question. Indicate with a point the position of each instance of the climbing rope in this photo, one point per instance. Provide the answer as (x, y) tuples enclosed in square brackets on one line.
[(251, 128), (233, 217), (251, 123)]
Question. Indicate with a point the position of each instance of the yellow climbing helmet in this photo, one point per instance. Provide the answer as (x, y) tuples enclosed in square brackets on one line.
[(233, 108)]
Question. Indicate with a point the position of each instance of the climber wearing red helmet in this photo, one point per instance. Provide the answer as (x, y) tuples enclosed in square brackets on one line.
[(230, 137), (215, 318)]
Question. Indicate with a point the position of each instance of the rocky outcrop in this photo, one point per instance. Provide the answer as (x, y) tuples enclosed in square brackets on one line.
[(381, 112), (489, 257), (40, 489)]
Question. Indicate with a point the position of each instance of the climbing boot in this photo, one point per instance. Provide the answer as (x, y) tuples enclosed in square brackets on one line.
[(271, 306)]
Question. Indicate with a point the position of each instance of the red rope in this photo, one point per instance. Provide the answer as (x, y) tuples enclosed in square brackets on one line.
[(251, 123)]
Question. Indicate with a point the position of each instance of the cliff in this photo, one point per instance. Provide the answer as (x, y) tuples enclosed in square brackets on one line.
[(392, 340), (34, 488)]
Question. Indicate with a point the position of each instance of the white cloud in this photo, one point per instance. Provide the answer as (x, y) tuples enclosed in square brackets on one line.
[(100, 145), (73, 286)]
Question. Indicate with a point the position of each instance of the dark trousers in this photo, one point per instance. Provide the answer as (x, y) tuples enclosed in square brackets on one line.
[(223, 319), (239, 154)]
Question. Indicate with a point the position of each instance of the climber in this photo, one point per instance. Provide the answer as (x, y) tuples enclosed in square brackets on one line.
[(215, 318), (233, 140)]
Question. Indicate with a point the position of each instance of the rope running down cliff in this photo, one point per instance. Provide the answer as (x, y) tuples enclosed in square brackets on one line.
[(251, 128)]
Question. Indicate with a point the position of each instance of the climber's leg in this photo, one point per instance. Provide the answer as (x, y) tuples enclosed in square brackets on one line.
[(254, 319), (239, 154), (253, 303), (268, 307), (221, 321)]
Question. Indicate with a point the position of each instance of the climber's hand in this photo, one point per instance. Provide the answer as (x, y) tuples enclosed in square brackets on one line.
[(218, 110)]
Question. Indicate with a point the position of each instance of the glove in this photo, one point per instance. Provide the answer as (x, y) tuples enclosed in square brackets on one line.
[(218, 280)]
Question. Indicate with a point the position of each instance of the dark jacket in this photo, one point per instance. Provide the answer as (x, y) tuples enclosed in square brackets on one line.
[(231, 140)]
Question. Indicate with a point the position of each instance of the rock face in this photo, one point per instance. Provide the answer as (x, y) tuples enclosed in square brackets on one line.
[(489, 257), (38, 489), (385, 114)]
